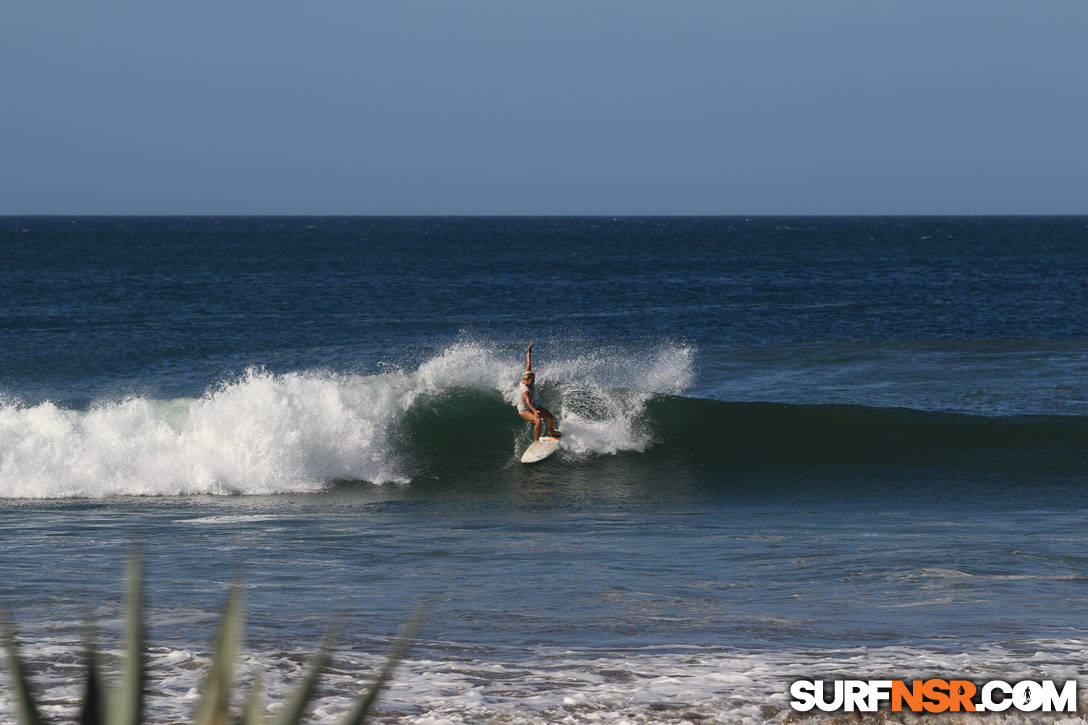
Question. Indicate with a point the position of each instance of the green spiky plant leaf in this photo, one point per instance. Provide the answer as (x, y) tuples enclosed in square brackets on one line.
[(93, 711), (300, 698), (25, 709), (215, 701), (128, 700), (362, 708), (125, 706), (254, 712)]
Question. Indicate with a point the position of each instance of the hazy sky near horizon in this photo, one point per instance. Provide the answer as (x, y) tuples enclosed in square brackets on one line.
[(501, 107)]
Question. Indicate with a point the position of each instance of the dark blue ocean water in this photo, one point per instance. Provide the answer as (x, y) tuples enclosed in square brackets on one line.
[(793, 447)]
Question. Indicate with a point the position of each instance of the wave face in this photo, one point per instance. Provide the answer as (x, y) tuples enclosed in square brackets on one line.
[(785, 436), (296, 432), (452, 419)]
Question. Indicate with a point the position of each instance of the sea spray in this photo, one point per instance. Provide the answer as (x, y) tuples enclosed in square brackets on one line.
[(604, 396)]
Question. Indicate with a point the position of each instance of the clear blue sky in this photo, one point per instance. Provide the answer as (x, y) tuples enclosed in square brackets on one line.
[(559, 107)]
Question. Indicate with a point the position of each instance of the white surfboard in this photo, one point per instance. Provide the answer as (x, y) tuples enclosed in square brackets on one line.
[(540, 449)]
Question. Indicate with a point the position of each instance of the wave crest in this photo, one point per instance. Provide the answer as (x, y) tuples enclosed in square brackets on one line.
[(266, 433)]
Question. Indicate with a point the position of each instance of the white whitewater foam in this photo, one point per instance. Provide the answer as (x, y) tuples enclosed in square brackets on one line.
[(687, 685), (295, 432), (261, 434)]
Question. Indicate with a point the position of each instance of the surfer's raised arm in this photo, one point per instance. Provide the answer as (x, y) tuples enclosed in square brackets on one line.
[(529, 358)]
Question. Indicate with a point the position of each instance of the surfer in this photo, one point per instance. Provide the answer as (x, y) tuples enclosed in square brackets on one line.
[(528, 407)]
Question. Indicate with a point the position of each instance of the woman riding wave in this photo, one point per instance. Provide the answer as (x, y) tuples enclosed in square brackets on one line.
[(528, 407)]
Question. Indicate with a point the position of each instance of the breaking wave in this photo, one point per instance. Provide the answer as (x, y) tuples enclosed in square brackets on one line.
[(267, 433), (451, 420)]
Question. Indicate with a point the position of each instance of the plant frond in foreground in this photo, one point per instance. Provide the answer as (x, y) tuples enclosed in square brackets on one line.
[(124, 704)]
